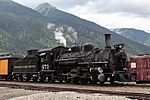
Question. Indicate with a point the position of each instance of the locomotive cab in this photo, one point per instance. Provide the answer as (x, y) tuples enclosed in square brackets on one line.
[(48, 63)]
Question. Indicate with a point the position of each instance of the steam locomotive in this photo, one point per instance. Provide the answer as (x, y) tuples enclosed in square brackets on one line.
[(78, 64)]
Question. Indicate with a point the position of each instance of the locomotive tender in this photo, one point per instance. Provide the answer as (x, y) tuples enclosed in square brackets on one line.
[(78, 64)]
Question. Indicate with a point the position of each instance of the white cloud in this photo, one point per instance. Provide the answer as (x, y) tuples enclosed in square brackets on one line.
[(108, 13), (116, 13), (118, 21), (29, 3), (138, 7), (62, 4)]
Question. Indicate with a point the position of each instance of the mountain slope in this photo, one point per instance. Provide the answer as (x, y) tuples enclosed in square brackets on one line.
[(88, 31), (17, 24), (22, 28), (135, 35)]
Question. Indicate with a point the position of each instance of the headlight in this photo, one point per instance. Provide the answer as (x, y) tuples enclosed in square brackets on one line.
[(100, 70), (120, 46)]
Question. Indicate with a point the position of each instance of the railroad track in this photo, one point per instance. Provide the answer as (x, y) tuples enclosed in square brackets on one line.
[(139, 96)]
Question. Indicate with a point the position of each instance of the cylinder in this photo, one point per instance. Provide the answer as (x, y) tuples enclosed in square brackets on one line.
[(107, 40), (101, 77)]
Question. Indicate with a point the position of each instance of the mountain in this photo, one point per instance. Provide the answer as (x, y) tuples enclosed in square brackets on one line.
[(17, 26), (88, 31), (22, 28), (135, 35)]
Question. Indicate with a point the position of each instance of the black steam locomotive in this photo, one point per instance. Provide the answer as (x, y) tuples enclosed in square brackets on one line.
[(78, 64)]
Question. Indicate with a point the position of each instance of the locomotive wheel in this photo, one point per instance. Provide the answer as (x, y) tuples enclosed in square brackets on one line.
[(83, 81), (19, 78), (112, 80), (28, 78), (35, 79), (41, 78), (75, 80), (68, 81), (60, 81), (102, 83), (51, 81), (94, 79), (9, 78)]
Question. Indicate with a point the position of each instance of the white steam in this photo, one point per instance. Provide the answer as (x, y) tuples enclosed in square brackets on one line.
[(59, 36)]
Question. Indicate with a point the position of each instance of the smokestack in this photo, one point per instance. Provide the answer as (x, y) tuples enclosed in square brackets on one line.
[(107, 40)]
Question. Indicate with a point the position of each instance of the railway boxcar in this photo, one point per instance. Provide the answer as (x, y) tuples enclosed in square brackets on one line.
[(141, 66), (6, 63)]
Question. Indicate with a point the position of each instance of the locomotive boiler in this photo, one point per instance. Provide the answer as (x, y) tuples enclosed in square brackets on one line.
[(90, 64)]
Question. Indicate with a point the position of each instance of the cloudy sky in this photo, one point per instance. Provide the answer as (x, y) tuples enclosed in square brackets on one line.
[(108, 13)]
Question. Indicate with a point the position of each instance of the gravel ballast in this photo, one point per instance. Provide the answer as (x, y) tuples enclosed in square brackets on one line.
[(20, 94)]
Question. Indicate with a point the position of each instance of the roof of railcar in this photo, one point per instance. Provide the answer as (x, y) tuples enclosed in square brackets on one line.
[(10, 56), (141, 56)]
